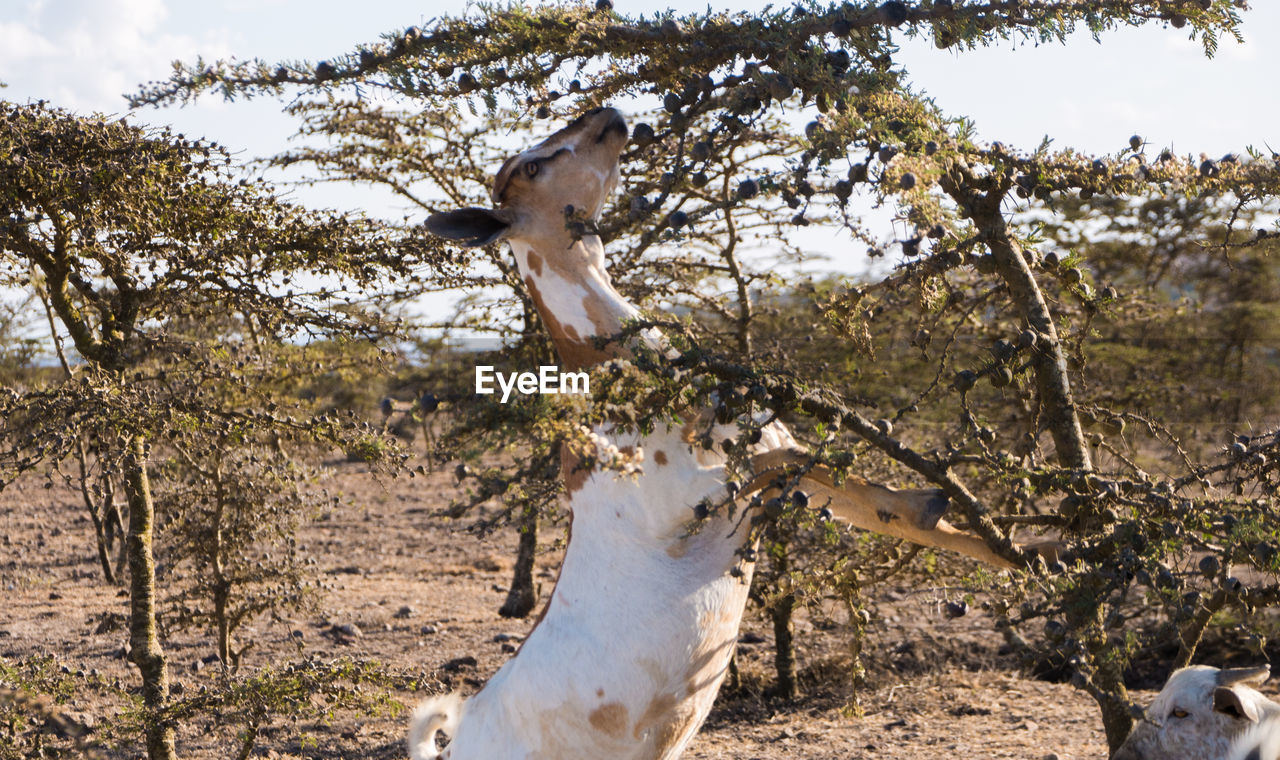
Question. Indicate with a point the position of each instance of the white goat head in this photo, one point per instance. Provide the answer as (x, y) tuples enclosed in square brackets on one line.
[(1199, 714)]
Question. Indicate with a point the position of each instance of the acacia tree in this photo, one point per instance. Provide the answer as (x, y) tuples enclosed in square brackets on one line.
[(1001, 322), (133, 235)]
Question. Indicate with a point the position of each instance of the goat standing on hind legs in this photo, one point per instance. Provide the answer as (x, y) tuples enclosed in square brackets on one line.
[(639, 629)]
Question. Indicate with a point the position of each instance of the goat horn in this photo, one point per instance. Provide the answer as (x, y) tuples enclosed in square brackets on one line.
[(1251, 676)]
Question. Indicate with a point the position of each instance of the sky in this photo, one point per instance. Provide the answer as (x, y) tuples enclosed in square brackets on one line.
[(86, 54)]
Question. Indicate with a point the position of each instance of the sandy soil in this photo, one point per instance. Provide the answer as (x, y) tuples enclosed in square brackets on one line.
[(424, 594)]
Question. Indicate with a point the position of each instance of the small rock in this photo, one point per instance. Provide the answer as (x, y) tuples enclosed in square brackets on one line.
[(750, 638), (349, 630), (509, 648), (458, 663), (404, 612), (428, 630), (501, 637)]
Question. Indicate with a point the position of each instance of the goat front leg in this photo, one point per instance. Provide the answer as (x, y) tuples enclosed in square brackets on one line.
[(914, 515)]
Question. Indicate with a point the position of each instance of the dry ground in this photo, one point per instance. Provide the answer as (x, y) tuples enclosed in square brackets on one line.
[(939, 687)]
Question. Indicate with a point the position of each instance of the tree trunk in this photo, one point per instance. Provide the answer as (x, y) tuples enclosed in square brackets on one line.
[(143, 640), (104, 554), (1108, 672), (784, 649), (523, 597), (1049, 364), (780, 613)]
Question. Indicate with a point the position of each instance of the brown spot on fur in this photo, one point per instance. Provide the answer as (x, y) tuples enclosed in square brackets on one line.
[(574, 475), (605, 321), (599, 692), (535, 262), (660, 457), (695, 425), (664, 724), (575, 352), (659, 713), (609, 719), (678, 548)]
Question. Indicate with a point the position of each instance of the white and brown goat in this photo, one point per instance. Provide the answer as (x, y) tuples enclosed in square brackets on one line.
[(640, 627)]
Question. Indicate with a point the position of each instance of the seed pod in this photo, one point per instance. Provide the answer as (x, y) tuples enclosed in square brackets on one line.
[(642, 135), (1054, 631), (748, 189), (893, 12)]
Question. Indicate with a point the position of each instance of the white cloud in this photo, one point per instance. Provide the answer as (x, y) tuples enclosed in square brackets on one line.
[(85, 54)]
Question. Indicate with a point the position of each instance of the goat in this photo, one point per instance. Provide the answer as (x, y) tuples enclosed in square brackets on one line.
[(1207, 714)]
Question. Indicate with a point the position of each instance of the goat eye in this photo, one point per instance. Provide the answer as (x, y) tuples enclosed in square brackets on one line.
[(1178, 712), (531, 169)]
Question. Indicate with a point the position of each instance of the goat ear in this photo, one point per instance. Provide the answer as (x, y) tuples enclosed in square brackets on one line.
[(470, 226), (1228, 702)]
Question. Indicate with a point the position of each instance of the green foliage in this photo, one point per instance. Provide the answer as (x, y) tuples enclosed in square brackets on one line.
[(230, 515), (310, 690), (35, 695), (17, 350)]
